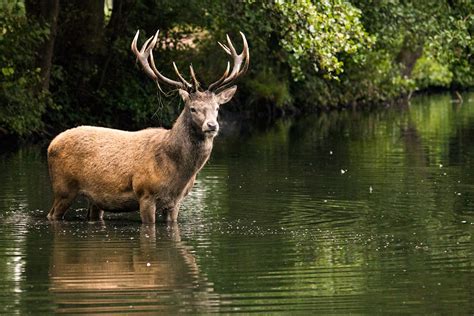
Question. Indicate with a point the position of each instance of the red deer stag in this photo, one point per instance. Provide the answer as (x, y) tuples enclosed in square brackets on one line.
[(152, 169)]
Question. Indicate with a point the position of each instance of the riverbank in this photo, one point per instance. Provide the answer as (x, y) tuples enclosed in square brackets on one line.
[(235, 121)]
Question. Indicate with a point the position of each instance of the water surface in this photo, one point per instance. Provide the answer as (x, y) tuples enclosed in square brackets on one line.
[(343, 212)]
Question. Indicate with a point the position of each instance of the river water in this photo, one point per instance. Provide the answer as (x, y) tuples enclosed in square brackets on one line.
[(342, 212)]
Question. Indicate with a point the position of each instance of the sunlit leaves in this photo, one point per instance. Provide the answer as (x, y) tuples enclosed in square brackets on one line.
[(442, 28), (318, 33)]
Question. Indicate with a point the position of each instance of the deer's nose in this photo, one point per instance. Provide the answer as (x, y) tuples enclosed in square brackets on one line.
[(212, 126)]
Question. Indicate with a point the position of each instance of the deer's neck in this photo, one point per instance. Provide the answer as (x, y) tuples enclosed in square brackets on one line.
[(188, 147)]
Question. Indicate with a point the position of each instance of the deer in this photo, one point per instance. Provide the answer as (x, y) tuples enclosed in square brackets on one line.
[(150, 170)]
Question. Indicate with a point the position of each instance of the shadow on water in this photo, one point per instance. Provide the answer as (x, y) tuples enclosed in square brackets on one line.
[(343, 212)]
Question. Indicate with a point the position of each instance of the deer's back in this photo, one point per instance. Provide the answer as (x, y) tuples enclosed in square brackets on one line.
[(99, 142), (98, 157)]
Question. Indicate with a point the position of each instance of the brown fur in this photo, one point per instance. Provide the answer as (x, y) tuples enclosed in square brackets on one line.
[(150, 170)]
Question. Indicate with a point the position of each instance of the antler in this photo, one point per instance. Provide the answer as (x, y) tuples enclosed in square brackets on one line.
[(145, 57), (146, 52), (227, 79)]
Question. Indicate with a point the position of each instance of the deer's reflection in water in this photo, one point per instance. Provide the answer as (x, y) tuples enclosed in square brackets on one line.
[(101, 268)]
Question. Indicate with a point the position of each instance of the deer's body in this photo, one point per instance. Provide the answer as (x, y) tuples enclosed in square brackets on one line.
[(119, 170), (149, 170)]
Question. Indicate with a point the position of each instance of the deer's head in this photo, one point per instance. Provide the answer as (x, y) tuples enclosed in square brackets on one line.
[(201, 106)]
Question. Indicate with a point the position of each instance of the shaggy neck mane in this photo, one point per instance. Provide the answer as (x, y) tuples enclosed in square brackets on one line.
[(187, 145)]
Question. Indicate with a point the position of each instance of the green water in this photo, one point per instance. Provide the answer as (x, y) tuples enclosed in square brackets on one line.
[(339, 213)]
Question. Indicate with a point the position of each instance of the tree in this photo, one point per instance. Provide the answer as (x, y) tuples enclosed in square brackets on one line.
[(22, 99), (68, 63), (44, 12)]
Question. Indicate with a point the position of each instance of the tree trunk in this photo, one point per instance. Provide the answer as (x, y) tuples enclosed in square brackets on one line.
[(408, 56), (80, 47), (117, 26), (81, 27), (45, 11)]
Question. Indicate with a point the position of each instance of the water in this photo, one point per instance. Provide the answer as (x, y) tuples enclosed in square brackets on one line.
[(345, 212)]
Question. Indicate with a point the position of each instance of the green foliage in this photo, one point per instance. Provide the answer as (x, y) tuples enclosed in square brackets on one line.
[(107, 87), (418, 44), (459, 52), (302, 35), (440, 30), (268, 87), (22, 104), (319, 32), (430, 73), (305, 54)]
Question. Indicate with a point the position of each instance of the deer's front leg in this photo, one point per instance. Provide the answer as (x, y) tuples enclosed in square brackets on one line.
[(170, 213), (147, 209), (173, 214), (188, 187)]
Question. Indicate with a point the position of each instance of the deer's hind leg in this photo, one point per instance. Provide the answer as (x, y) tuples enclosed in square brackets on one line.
[(62, 201), (64, 193), (94, 213)]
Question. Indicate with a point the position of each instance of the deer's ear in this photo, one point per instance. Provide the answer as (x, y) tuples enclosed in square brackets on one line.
[(184, 95), (225, 95)]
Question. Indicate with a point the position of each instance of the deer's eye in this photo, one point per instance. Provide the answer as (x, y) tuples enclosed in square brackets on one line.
[(192, 109)]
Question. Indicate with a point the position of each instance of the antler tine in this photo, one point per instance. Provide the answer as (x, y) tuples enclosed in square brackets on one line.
[(231, 46), (146, 48), (142, 56), (237, 62), (186, 83), (224, 47), (193, 75), (247, 55), (221, 79), (164, 79), (237, 69), (145, 53)]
